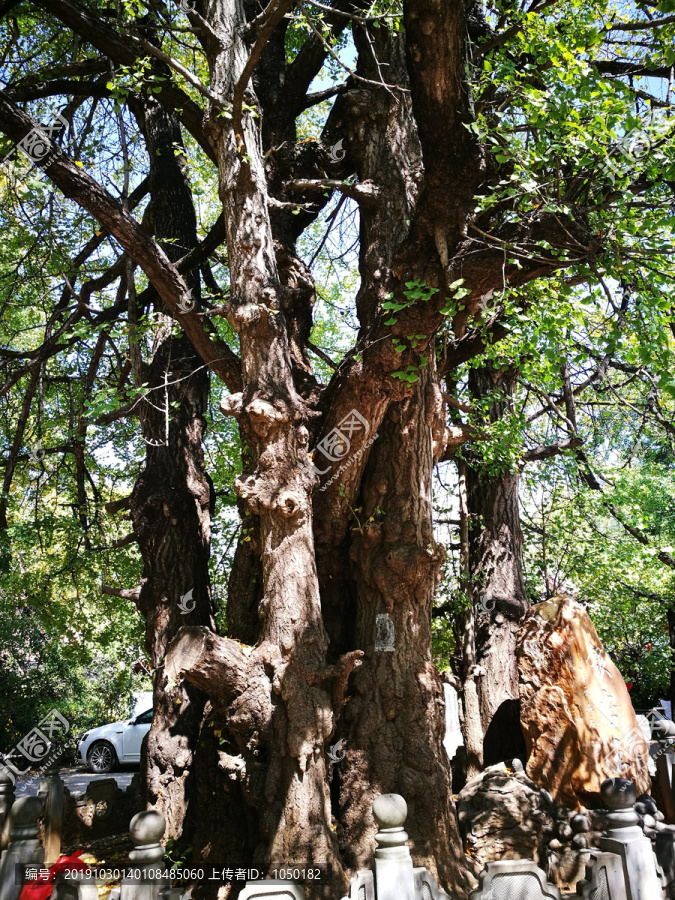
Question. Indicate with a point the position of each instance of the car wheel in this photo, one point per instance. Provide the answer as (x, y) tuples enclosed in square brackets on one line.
[(101, 758)]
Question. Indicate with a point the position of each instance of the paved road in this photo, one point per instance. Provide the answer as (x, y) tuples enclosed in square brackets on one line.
[(76, 780)]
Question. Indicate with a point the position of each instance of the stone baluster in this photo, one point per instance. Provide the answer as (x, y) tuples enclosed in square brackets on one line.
[(147, 857), (625, 838), (6, 801), (53, 788), (24, 848), (394, 877)]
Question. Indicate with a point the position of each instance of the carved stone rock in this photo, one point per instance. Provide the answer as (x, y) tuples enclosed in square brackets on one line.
[(504, 815), (576, 714)]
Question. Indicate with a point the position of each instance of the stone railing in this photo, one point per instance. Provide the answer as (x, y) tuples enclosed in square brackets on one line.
[(624, 867)]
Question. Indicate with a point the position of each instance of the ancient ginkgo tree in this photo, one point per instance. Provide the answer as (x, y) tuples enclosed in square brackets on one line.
[(498, 156)]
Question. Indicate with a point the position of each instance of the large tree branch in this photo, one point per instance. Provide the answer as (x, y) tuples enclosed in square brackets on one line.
[(640, 26), (309, 60), (364, 191), (180, 69), (81, 69), (473, 343), (215, 664), (505, 36), (123, 593), (457, 434), (22, 93), (436, 60), (264, 25), (621, 68), (546, 451), (162, 274), (203, 250)]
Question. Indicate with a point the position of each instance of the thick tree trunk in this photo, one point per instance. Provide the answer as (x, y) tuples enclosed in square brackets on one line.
[(170, 509), (293, 821), (496, 576), (395, 719), (379, 563), (171, 503)]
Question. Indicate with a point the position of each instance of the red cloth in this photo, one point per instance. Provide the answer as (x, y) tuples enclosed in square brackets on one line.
[(41, 888)]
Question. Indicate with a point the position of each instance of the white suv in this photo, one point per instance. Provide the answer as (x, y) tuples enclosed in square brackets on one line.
[(103, 748)]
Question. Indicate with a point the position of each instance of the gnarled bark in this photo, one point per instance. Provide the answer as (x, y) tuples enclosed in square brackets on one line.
[(294, 814), (395, 722), (171, 502)]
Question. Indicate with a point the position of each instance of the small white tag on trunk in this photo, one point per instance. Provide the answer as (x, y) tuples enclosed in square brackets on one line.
[(384, 632)]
